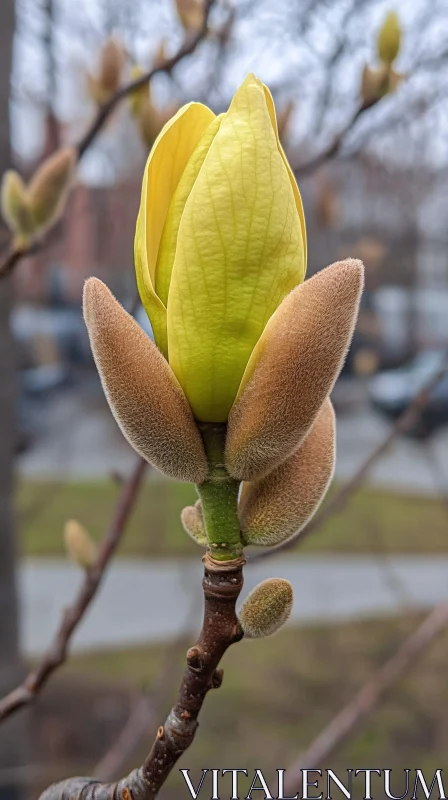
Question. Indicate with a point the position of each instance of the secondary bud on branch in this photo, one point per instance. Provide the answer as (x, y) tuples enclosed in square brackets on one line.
[(107, 80), (193, 521), (389, 39), (138, 95), (15, 206), (190, 13), (80, 546), (50, 186), (266, 608)]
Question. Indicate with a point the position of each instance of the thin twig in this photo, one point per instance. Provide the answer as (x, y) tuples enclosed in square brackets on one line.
[(191, 42), (332, 150), (223, 581), (403, 424), (365, 701), (56, 654)]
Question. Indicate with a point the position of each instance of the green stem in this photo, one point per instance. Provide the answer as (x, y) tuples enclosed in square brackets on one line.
[(219, 495)]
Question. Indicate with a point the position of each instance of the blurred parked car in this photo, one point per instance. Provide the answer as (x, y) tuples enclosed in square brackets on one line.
[(51, 343), (391, 391)]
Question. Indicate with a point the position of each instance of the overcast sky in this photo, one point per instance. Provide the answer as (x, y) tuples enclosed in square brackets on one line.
[(268, 39)]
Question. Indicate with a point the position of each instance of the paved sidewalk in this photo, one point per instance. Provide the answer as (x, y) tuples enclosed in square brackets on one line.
[(83, 441), (150, 602)]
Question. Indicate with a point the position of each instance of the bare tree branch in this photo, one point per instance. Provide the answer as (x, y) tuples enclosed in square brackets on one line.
[(16, 254), (223, 581), (366, 700), (56, 654)]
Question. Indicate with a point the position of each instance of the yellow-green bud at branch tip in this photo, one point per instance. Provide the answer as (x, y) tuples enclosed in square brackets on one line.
[(81, 548), (16, 208), (220, 242), (266, 608), (389, 39), (30, 210)]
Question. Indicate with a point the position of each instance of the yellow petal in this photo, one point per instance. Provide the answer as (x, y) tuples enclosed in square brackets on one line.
[(166, 163), (168, 243), (280, 505), (295, 188), (292, 370), (239, 253)]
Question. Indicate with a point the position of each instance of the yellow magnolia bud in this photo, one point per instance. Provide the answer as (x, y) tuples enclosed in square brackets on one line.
[(50, 186), (190, 13), (280, 505), (193, 521), (16, 207), (389, 39), (144, 395), (292, 370), (266, 608), (221, 212), (80, 546)]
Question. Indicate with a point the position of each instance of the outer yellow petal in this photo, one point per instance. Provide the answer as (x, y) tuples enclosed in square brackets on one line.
[(168, 243), (239, 253), (166, 163), (295, 188)]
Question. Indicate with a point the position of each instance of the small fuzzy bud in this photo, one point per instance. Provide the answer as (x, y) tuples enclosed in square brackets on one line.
[(136, 97), (15, 206), (190, 13), (50, 186), (389, 39), (141, 388), (376, 83), (111, 66), (80, 546), (193, 521), (266, 608), (160, 56)]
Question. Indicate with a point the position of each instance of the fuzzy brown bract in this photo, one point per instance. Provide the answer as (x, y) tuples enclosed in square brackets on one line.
[(143, 393), (292, 370), (278, 506)]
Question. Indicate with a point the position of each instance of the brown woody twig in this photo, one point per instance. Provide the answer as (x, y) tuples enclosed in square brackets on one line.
[(15, 254), (56, 654), (223, 581), (335, 146), (365, 701)]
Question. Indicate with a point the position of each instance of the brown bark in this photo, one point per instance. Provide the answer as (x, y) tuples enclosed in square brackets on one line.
[(222, 585), (26, 692)]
